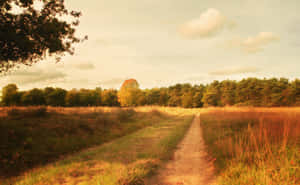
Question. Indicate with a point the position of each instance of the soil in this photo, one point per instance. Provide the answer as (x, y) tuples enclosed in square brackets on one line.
[(191, 164)]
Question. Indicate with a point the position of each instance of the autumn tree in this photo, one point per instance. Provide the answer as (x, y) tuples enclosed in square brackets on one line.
[(129, 92), (33, 32)]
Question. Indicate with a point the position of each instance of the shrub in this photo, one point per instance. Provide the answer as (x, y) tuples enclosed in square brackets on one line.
[(124, 114), (28, 112)]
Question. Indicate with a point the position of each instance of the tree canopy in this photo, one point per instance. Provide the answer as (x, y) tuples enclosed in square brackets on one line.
[(29, 33), (247, 92)]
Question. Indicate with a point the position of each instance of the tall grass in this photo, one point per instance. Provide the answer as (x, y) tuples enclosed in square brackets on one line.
[(254, 147), (34, 136), (127, 160)]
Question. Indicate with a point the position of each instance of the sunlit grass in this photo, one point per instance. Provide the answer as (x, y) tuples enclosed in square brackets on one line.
[(254, 146), (126, 160)]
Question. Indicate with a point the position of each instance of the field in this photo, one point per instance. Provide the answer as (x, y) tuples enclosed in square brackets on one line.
[(63, 145), (254, 146), (125, 146)]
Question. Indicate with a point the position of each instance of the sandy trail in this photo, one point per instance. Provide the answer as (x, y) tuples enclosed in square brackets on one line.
[(191, 165)]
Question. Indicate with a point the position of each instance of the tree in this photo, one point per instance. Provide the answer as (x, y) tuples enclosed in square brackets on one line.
[(153, 96), (72, 98), (187, 99), (33, 97), (296, 91), (110, 98), (163, 97), (228, 95), (212, 95), (10, 95), (175, 93), (31, 34), (55, 97), (129, 92)]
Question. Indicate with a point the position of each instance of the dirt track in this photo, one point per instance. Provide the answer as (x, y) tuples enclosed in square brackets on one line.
[(191, 164)]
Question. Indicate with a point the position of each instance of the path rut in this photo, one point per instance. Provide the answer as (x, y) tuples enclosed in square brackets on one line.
[(191, 164)]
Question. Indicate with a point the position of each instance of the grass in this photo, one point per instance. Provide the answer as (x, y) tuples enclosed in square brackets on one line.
[(148, 138), (34, 136), (254, 146)]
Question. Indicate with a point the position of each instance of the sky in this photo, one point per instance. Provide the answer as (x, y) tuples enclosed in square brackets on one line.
[(164, 42)]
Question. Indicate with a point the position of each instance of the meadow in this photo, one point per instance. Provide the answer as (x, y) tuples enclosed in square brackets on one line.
[(66, 145), (125, 146), (254, 145)]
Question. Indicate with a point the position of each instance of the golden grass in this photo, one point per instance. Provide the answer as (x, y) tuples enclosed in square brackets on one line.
[(126, 160), (254, 145)]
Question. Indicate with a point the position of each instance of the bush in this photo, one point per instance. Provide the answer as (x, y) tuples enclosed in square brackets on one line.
[(124, 114), (28, 112)]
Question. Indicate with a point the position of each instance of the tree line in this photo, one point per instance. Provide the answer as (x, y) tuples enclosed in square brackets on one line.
[(247, 92)]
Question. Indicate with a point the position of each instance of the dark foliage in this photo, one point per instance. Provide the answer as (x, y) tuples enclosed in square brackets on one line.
[(30, 33)]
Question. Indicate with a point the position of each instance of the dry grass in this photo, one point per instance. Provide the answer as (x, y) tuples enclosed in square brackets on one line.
[(33, 136), (254, 145), (124, 161)]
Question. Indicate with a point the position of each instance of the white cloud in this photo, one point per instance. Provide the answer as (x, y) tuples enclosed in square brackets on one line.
[(35, 76), (234, 71), (208, 24), (84, 66), (255, 43)]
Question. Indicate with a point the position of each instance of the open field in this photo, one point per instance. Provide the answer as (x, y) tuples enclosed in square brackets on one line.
[(149, 137), (125, 146), (254, 146)]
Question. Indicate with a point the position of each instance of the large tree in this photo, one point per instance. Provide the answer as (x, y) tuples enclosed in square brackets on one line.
[(129, 93), (29, 32)]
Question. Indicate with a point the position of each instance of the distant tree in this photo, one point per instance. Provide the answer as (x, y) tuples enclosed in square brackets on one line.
[(187, 99), (33, 97), (175, 93), (250, 92), (129, 93), (227, 92), (10, 95), (110, 98), (30, 34), (152, 96), (212, 95), (163, 97), (72, 98), (278, 88), (88, 97), (141, 98), (55, 97), (296, 91), (197, 100)]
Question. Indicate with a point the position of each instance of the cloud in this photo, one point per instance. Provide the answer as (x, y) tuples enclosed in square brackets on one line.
[(255, 43), (35, 76), (234, 71), (208, 24), (84, 66)]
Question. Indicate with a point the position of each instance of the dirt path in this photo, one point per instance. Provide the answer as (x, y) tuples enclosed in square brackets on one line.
[(191, 165)]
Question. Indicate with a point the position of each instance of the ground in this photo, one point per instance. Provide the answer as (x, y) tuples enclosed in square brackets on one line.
[(191, 164)]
